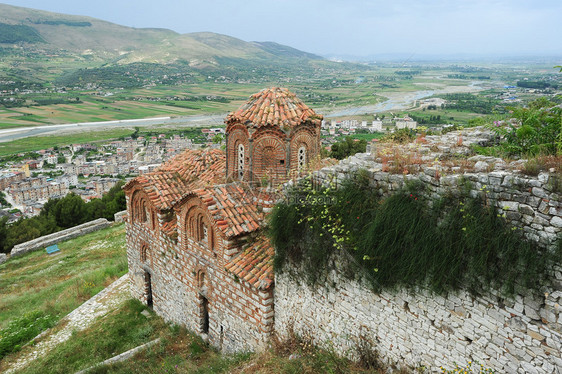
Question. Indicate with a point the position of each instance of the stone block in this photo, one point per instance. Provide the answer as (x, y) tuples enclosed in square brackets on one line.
[(556, 222)]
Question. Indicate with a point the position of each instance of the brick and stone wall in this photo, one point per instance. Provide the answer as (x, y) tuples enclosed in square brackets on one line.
[(57, 237), (188, 275)]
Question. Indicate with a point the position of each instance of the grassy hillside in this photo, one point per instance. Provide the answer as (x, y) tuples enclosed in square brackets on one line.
[(18, 33), (56, 284), (89, 42), (50, 286), (179, 351)]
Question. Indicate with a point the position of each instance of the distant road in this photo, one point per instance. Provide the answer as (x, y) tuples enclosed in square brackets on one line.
[(187, 121)]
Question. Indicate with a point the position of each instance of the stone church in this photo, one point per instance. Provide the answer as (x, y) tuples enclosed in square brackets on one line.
[(195, 247)]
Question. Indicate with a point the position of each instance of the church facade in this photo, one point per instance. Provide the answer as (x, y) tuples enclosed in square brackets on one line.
[(195, 245)]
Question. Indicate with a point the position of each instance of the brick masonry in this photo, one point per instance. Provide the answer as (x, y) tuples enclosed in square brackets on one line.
[(187, 280)]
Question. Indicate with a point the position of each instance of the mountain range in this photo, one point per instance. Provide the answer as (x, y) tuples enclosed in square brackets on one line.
[(43, 46)]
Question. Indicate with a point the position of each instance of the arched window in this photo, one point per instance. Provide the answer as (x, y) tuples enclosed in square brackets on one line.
[(144, 253), (201, 280), (302, 158), (140, 210), (240, 161)]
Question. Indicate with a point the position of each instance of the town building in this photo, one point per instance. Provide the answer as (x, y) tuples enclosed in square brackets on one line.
[(405, 123)]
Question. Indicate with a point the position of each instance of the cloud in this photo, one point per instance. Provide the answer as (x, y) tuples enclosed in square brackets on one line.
[(358, 27)]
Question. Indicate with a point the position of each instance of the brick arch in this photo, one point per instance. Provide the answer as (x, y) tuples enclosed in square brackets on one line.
[(306, 138), (269, 158), (145, 253), (142, 210), (237, 135), (201, 278), (197, 225)]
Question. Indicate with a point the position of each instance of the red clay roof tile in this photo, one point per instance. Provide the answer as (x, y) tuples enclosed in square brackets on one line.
[(254, 264), (234, 211), (274, 106), (185, 172)]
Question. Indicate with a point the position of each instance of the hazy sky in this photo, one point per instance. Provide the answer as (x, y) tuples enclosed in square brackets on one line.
[(352, 27)]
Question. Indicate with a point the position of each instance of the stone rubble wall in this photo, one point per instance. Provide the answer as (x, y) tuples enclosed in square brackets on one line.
[(423, 329), (57, 237), (532, 203), (120, 216), (520, 335)]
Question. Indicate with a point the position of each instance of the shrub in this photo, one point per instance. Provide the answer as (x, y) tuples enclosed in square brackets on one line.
[(399, 241), (538, 129)]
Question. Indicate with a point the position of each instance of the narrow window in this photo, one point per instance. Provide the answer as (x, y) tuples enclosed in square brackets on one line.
[(302, 158), (202, 237), (148, 288), (143, 253), (204, 318), (240, 161)]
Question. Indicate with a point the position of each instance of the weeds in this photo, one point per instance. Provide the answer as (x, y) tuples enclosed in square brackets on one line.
[(21, 330), (399, 242), (542, 163)]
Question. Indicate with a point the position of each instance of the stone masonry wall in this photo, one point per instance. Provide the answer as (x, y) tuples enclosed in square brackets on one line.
[(419, 328), (532, 203), (520, 335), (57, 237)]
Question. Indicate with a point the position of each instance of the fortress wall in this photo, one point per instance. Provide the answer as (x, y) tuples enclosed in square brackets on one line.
[(531, 203), (57, 237), (522, 335)]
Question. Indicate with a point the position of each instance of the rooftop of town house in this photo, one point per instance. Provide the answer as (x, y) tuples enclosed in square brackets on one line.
[(275, 107)]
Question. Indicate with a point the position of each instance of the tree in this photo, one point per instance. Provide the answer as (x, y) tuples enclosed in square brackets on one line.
[(347, 147), (539, 129), (67, 212), (72, 211), (135, 134), (3, 234), (21, 231), (96, 209), (218, 138)]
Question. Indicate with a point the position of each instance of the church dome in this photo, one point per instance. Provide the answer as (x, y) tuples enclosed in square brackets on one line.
[(274, 106)]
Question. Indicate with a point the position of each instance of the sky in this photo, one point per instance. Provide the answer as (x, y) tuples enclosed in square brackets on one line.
[(348, 27)]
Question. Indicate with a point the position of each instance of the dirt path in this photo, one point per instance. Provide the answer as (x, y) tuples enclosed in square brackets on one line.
[(77, 320)]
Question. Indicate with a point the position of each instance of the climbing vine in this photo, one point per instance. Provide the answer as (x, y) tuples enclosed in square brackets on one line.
[(404, 240)]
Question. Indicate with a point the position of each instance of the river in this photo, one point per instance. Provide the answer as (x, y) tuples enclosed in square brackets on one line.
[(7, 135), (403, 100), (396, 101)]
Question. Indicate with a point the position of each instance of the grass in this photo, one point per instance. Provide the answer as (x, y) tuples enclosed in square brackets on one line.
[(57, 284), (180, 351), (368, 137)]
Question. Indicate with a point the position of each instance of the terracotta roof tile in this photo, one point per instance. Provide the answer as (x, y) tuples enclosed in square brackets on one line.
[(254, 264), (234, 211), (187, 171), (274, 106), (170, 228)]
